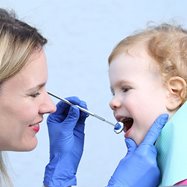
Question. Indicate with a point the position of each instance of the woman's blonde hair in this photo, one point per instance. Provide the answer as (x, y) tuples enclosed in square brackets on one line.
[(18, 40), (166, 44)]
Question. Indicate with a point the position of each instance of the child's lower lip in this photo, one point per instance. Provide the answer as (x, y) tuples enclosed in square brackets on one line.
[(127, 133)]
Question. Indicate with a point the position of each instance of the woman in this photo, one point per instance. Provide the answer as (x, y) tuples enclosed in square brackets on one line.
[(23, 98), (24, 101)]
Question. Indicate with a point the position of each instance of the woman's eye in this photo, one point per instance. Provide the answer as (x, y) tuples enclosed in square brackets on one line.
[(35, 94)]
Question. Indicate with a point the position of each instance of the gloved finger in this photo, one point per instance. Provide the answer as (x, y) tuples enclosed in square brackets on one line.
[(72, 118), (60, 114), (64, 107), (82, 104), (83, 115), (131, 145), (76, 101), (155, 130), (61, 107), (147, 149)]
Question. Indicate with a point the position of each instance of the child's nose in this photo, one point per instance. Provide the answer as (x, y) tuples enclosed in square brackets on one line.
[(114, 103)]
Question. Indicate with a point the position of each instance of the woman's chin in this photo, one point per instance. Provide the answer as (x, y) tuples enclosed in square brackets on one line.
[(31, 146), (27, 146)]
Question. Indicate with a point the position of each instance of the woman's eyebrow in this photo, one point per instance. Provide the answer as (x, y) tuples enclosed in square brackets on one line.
[(37, 87)]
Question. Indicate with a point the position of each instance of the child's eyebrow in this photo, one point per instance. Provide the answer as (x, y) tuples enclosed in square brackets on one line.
[(120, 83), (123, 82)]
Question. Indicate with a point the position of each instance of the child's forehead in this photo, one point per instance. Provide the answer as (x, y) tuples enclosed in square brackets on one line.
[(134, 49), (138, 50), (140, 56)]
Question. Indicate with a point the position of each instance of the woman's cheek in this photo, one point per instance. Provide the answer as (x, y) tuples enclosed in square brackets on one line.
[(29, 114)]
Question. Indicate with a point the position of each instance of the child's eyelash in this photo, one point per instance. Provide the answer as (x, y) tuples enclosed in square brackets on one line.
[(125, 89), (112, 91)]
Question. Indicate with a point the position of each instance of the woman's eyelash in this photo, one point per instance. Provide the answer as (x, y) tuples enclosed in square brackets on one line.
[(35, 94)]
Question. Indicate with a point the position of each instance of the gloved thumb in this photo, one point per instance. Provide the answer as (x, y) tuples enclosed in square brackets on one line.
[(155, 130), (131, 145)]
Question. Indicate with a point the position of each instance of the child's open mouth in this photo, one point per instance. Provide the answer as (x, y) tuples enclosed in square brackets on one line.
[(128, 122)]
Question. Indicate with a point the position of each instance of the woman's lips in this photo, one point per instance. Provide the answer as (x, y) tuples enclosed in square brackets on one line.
[(35, 127)]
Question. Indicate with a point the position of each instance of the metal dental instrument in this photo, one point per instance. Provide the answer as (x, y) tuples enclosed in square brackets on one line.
[(118, 127)]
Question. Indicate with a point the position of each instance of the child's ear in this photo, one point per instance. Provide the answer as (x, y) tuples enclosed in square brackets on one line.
[(177, 92)]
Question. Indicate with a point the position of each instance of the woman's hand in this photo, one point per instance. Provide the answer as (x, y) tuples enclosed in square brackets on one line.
[(139, 166), (66, 135)]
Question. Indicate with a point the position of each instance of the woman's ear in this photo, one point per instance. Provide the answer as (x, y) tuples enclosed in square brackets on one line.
[(177, 92)]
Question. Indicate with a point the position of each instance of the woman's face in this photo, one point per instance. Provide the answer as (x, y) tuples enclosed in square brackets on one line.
[(139, 96), (23, 102)]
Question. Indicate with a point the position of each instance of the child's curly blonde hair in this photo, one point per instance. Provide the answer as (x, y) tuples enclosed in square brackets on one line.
[(166, 44)]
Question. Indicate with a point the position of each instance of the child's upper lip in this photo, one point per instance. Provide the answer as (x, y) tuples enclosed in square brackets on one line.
[(121, 118)]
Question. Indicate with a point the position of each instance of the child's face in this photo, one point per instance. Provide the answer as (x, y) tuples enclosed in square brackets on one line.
[(139, 95)]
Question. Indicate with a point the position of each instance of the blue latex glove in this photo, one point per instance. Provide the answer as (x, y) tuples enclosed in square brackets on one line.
[(139, 166), (66, 134)]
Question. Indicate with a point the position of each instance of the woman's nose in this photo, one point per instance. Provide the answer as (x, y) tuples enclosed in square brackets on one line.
[(48, 106), (114, 103)]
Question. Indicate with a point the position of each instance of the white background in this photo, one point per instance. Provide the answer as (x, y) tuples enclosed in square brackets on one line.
[(81, 35)]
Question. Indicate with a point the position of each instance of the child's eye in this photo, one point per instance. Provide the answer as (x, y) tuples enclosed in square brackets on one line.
[(35, 94), (125, 89), (112, 92)]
